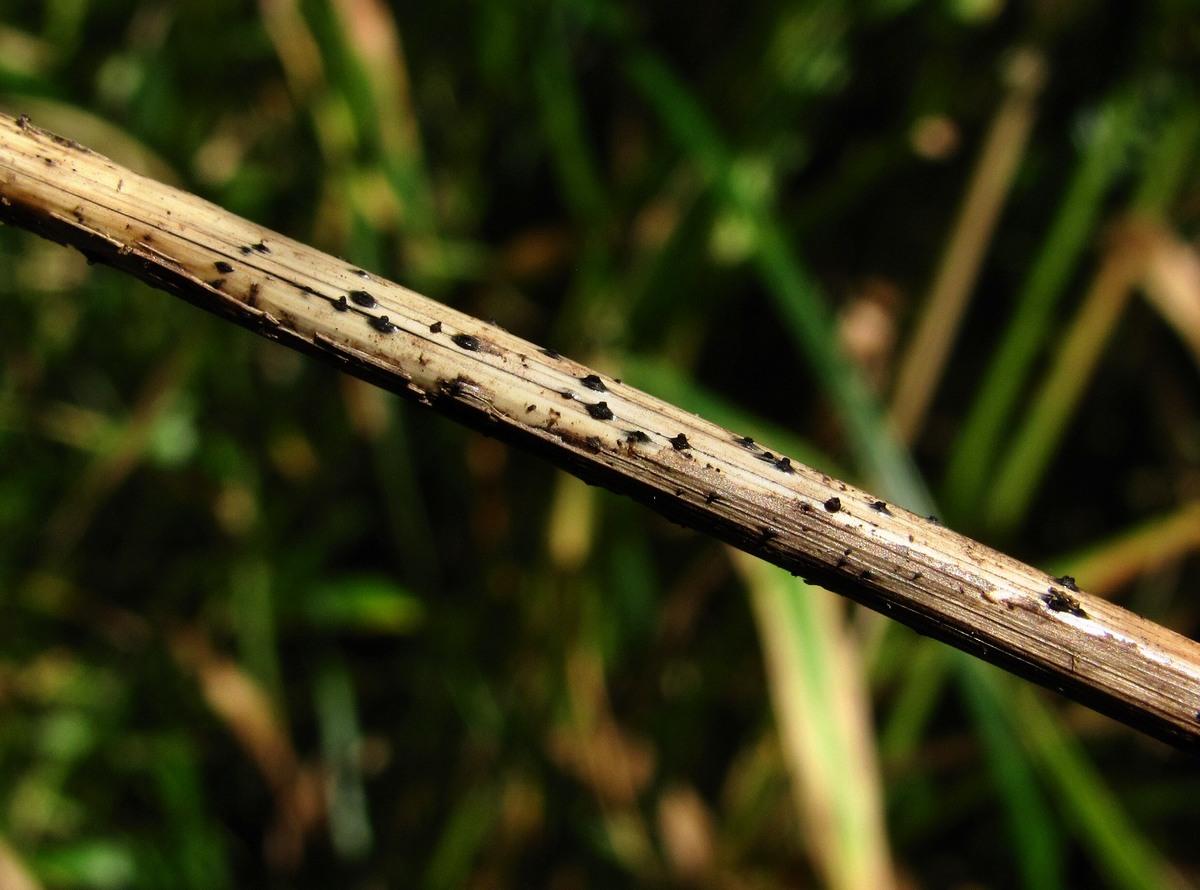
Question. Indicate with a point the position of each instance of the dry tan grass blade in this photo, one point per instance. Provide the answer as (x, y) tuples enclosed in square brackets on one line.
[(695, 472)]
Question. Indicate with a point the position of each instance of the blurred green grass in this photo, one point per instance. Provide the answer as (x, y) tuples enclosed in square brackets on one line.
[(267, 626)]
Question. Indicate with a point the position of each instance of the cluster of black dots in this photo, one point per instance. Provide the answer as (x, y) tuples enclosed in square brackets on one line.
[(355, 300), (360, 301)]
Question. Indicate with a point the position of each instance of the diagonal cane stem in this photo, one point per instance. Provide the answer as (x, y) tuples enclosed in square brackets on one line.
[(725, 485)]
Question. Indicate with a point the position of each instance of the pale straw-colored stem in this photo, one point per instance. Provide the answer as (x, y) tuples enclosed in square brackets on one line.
[(695, 472), (942, 310)]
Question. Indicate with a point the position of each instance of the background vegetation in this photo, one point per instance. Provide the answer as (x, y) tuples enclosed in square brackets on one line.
[(265, 626)]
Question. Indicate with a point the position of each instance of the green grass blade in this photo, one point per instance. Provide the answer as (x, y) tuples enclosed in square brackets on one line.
[(563, 124), (882, 458), (1036, 842), (1028, 458), (975, 451), (819, 696), (1120, 851)]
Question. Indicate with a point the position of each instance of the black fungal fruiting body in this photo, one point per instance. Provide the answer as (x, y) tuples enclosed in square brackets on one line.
[(549, 353), (745, 442), (382, 325), (784, 464), (636, 436), (600, 411), (833, 505), (1057, 601), (1068, 582), (341, 305), (466, 341), (881, 507), (594, 383), (680, 443), (362, 298), (435, 328), (223, 267)]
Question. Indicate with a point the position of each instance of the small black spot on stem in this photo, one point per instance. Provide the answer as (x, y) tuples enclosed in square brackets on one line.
[(600, 411), (767, 456), (341, 305), (223, 267), (549, 353), (23, 122), (805, 507), (261, 247), (361, 274), (636, 436), (745, 442), (680, 443), (711, 498), (784, 464), (594, 383), (1057, 601), (466, 341), (252, 295), (567, 394), (833, 505), (435, 328), (934, 519), (382, 325), (593, 443), (881, 507), (362, 298), (1066, 581)]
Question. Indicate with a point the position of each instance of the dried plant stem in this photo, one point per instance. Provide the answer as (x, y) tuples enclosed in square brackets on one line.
[(942, 310), (695, 472)]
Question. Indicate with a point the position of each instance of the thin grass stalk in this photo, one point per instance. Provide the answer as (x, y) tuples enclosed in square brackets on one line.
[(819, 696), (690, 470), (924, 359), (974, 454), (1119, 850), (880, 455), (1020, 475), (1121, 268), (1032, 828)]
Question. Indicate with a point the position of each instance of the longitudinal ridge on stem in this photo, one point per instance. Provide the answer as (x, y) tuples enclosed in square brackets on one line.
[(695, 472)]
